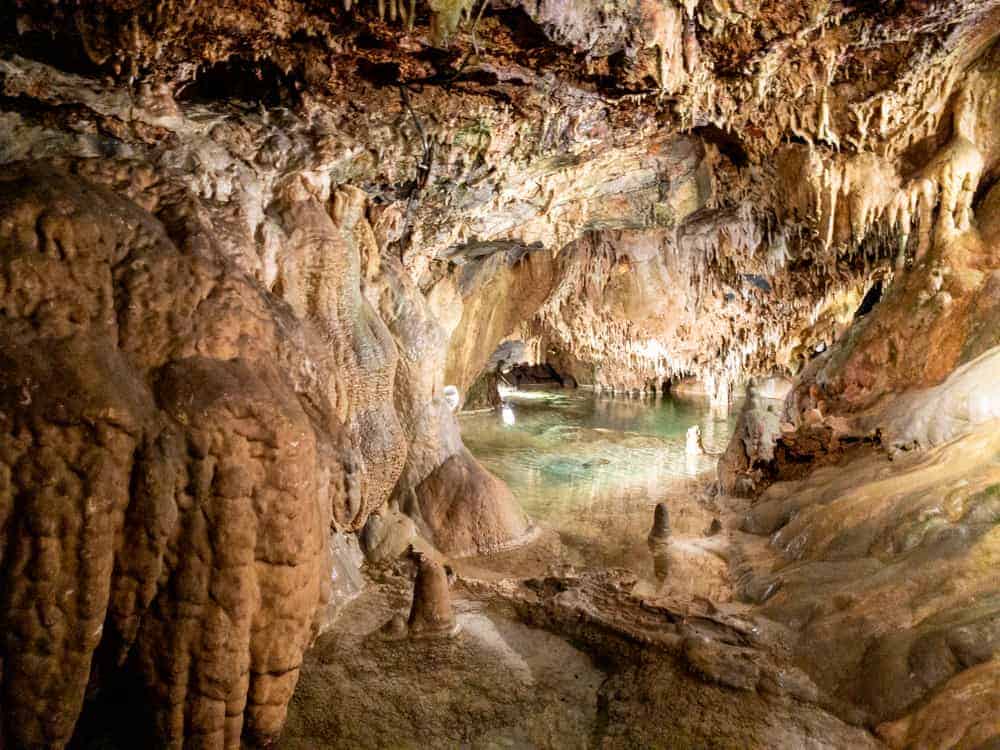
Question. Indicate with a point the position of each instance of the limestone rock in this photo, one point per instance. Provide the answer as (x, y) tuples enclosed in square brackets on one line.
[(387, 535), (467, 510), (161, 475), (431, 613), (660, 532), (245, 248), (484, 393)]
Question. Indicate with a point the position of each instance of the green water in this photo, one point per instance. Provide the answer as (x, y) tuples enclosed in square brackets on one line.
[(592, 466)]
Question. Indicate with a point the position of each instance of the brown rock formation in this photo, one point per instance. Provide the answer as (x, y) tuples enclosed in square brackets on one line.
[(431, 613), (467, 510), (660, 532), (889, 585), (166, 485), (484, 393)]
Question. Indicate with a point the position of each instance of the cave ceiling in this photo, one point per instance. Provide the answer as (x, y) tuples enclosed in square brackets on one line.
[(650, 188)]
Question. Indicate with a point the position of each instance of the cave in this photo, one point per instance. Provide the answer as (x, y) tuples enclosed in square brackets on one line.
[(500, 374)]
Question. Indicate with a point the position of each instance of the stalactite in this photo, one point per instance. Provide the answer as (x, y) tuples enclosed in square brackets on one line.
[(824, 130)]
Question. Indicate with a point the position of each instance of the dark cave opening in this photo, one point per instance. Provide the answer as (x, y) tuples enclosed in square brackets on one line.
[(729, 144), (60, 50), (115, 715), (872, 297), (259, 82), (539, 375), (524, 31), (511, 367), (379, 73)]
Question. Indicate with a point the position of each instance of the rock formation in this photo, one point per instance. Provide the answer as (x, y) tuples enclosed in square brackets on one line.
[(246, 246), (431, 613), (660, 532), (171, 471)]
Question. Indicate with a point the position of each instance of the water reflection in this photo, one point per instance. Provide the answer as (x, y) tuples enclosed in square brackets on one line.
[(593, 466), (661, 563), (576, 447), (559, 449)]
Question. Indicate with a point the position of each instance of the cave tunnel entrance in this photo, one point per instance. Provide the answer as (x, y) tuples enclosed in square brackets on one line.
[(872, 297), (515, 365), (256, 82), (543, 374)]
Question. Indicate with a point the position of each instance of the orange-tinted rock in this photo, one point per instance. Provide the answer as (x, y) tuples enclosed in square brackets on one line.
[(431, 613), (467, 510), (167, 491)]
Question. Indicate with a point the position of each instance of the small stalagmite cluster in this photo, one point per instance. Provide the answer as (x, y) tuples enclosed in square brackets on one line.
[(248, 249)]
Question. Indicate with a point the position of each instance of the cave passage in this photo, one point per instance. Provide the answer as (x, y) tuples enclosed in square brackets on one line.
[(418, 374)]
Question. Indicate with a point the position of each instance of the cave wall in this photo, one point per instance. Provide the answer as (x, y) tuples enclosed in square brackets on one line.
[(918, 369), (201, 441), (240, 379)]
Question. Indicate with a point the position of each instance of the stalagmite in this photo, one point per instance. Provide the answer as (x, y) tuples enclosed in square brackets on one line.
[(431, 614), (660, 532)]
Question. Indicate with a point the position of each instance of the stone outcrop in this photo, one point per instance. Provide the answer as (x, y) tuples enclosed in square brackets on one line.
[(484, 393), (745, 463), (884, 572), (466, 510)]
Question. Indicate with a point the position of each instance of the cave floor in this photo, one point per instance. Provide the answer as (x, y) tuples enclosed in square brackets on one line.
[(879, 625), (554, 654)]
